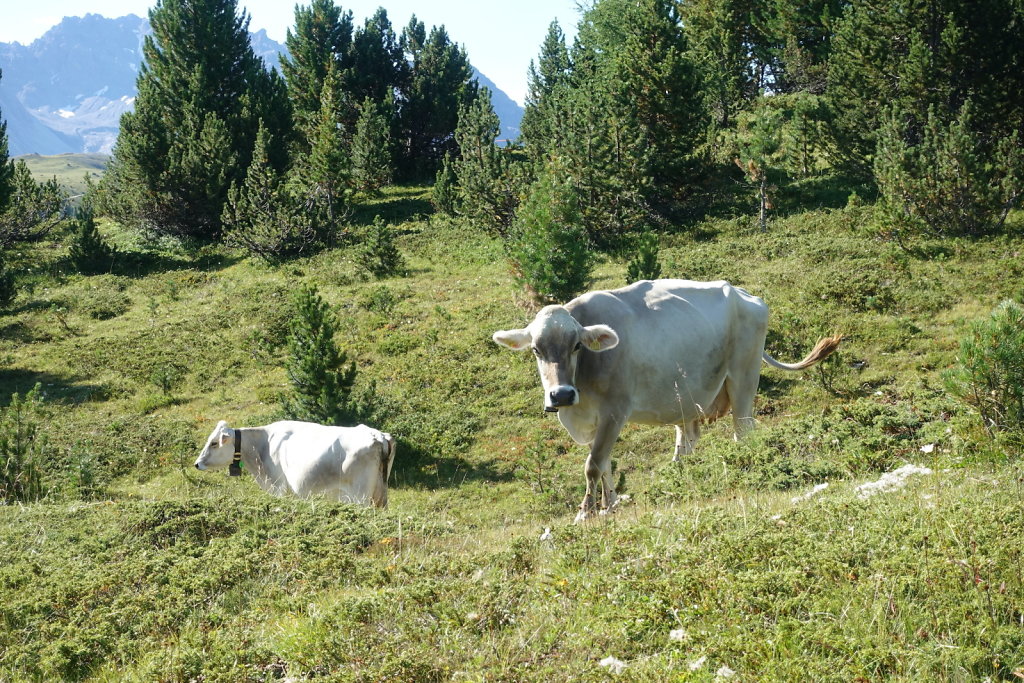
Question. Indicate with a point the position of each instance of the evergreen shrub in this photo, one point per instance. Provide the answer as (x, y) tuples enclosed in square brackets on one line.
[(950, 182), (264, 216), (8, 289), (380, 254), (22, 448), (89, 254), (644, 264), (445, 195), (320, 373), (33, 209), (549, 248), (989, 375)]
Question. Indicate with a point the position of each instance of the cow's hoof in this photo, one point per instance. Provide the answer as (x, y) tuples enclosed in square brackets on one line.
[(582, 516)]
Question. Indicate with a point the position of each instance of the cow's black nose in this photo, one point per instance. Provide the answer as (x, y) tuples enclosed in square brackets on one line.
[(197, 466), (563, 396)]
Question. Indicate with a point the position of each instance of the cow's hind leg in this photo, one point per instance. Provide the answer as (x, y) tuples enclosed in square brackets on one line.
[(686, 438), (598, 469), (742, 390)]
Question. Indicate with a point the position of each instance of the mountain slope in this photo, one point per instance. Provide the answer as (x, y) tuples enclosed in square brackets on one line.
[(508, 111)]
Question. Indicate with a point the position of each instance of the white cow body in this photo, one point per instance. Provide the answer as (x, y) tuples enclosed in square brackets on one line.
[(663, 352), (348, 464)]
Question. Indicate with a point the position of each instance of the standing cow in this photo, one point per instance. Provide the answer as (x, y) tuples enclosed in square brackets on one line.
[(663, 352), (348, 464)]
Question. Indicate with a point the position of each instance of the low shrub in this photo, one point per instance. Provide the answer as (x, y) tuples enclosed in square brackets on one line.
[(320, 373), (952, 182), (549, 247), (22, 448), (644, 263), (89, 254), (989, 375), (380, 254)]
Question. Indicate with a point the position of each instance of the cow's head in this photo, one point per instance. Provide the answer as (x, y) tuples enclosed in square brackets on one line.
[(557, 339), (219, 450)]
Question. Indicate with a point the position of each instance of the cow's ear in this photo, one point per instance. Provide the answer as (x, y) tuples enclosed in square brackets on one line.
[(517, 340), (226, 434), (599, 338)]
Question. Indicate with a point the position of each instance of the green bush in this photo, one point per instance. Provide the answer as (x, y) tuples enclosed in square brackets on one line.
[(274, 219), (7, 287), (549, 247), (321, 378), (949, 183), (445, 194), (989, 375), (89, 254), (22, 445), (644, 264), (380, 255), (33, 210)]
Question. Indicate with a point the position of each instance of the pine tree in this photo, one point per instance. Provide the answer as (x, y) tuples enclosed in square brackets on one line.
[(379, 254), (438, 84), (319, 372), (758, 141), (262, 216), (945, 184), (803, 132), (606, 155), (323, 175), (33, 208), (485, 196), (628, 120), (89, 254), (644, 264), (6, 165), (549, 248), (322, 41), (201, 93), (378, 65), (23, 447), (920, 54), (445, 194), (8, 288), (539, 128), (801, 34), (371, 149), (720, 36)]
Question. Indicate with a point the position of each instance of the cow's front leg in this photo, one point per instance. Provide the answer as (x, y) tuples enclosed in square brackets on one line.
[(598, 470)]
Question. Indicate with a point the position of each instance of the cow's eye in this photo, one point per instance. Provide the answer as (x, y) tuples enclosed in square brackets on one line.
[(579, 345), (535, 351)]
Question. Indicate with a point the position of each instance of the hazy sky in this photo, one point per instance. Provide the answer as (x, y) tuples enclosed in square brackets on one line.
[(500, 37)]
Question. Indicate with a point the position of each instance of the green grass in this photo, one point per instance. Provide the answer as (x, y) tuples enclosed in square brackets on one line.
[(144, 569), (69, 169)]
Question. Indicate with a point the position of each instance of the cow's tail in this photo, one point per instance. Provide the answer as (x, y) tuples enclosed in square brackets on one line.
[(822, 350), (387, 456)]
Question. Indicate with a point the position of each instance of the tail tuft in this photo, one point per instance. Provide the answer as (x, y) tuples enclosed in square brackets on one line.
[(822, 350)]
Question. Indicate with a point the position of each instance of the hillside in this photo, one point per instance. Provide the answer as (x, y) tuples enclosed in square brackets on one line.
[(137, 567), (69, 169)]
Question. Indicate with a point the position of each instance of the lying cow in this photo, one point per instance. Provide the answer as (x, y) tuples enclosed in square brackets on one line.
[(348, 464), (663, 352)]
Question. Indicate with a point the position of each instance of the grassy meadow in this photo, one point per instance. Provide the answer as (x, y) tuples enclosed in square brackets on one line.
[(70, 170), (138, 567)]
